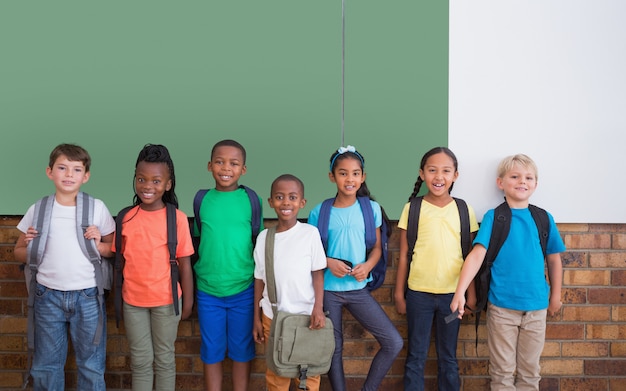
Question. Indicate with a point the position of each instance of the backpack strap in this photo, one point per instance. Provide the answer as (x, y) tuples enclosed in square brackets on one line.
[(172, 243), (119, 264), (323, 220), (412, 225), (34, 254), (543, 226), (85, 205), (197, 201), (370, 222), (466, 242), (415, 206), (269, 269), (255, 205), (499, 233)]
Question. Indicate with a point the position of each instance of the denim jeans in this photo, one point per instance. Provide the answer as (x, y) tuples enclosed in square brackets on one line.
[(371, 316), (56, 312), (421, 309), (151, 333)]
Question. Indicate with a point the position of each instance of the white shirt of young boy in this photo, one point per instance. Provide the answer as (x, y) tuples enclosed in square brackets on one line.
[(64, 267), (297, 252)]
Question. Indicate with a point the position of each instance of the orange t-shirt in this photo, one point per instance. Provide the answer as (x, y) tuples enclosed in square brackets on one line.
[(147, 279)]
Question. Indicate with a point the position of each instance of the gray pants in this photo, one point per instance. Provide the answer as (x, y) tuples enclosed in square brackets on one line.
[(151, 334)]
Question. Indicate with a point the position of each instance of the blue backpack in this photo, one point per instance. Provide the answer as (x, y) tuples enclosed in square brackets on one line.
[(378, 272)]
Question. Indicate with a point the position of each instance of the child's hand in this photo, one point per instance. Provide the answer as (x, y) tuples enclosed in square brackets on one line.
[(471, 303), (92, 232), (458, 303), (400, 304), (187, 308), (361, 271), (554, 307), (318, 319), (338, 268), (31, 233), (257, 332)]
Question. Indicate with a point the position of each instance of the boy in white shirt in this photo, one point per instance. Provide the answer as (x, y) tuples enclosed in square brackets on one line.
[(299, 263), (66, 295)]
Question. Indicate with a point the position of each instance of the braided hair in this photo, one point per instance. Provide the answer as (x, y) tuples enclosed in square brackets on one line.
[(434, 151), (156, 153)]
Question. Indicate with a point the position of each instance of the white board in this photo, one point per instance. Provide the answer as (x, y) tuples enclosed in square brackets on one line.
[(546, 78)]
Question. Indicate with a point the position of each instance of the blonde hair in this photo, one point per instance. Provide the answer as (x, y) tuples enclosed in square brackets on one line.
[(523, 160)]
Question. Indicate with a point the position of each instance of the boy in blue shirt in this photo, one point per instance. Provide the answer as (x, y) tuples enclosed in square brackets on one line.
[(225, 270), (519, 295)]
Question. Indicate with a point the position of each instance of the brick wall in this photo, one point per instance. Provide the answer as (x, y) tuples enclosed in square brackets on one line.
[(585, 344)]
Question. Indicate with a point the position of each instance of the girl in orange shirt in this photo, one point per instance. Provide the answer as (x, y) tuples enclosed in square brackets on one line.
[(151, 320)]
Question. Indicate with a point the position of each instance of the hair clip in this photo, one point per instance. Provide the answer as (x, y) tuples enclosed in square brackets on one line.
[(345, 149), (341, 151)]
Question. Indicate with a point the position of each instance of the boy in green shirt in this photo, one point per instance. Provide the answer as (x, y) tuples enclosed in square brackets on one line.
[(225, 270)]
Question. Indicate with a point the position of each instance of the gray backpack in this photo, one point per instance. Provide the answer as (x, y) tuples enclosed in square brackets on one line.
[(102, 267)]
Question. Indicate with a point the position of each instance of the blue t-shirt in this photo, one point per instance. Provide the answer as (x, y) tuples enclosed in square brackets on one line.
[(346, 240), (518, 279)]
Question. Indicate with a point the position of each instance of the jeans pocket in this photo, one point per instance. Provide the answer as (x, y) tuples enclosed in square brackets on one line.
[(90, 293), (40, 290)]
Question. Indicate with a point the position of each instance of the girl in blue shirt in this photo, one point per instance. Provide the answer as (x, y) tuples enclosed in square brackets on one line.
[(349, 265)]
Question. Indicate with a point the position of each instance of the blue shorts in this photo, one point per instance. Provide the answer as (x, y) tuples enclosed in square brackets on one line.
[(226, 325)]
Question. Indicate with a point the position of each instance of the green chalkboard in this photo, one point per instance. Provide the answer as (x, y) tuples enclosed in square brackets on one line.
[(115, 75)]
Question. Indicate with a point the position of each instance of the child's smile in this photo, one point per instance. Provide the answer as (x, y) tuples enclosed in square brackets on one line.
[(348, 175), (439, 174), (227, 166), (286, 200), (152, 180)]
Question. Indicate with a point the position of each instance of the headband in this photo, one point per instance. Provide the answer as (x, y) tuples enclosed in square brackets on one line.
[(343, 150)]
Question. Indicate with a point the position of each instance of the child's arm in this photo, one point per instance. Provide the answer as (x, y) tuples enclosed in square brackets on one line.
[(186, 284), (402, 274), (470, 268), (19, 252), (471, 289), (318, 320), (257, 326), (362, 270), (555, 275)]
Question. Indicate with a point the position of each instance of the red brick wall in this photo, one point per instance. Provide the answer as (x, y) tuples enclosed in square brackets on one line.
[(585, 344)]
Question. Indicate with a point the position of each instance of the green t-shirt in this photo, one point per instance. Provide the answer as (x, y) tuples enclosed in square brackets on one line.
[(226, 265)]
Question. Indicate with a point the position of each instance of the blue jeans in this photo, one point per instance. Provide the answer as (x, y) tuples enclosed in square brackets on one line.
[(56, 312), (421, 309), (371, 316)]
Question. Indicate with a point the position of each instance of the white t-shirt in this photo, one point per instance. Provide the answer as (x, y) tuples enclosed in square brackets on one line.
[(297, 252), (64, 267)]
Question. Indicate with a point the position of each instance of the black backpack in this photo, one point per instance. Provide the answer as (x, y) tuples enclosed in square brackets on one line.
[(499, 233), (379, 271), (172, 242), (413, 222)]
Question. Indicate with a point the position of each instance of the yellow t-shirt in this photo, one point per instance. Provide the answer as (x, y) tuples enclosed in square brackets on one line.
[(437, 258)]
